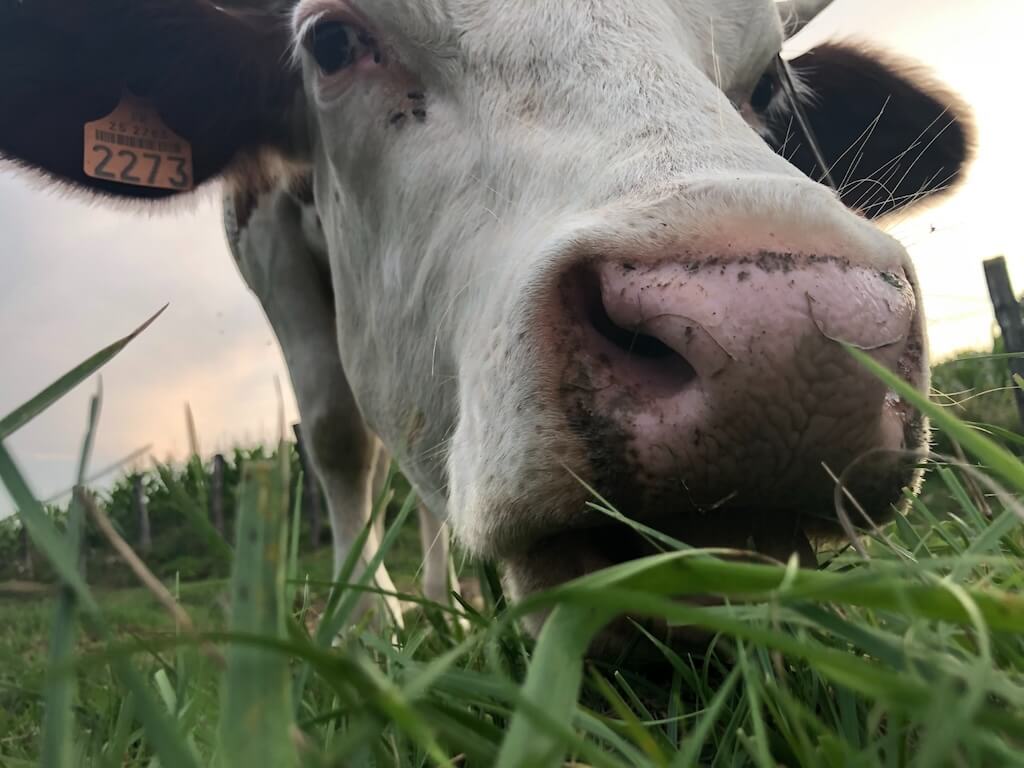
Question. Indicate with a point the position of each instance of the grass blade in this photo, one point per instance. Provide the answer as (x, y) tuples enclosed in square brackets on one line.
[(999, 460), (552, 684), (694, 744), (256, 711), (20, 416), (350, 598), (694, 572), (42, 531), (58, 740), (296, 530)]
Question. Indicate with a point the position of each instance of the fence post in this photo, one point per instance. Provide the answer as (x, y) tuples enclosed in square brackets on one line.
[(145, 543), (1011, 324), (80, 497), (312, 498), (217, 493), (26, 543)]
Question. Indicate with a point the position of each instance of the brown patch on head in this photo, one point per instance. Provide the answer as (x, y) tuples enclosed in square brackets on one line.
[(243, 201), (301, 188)]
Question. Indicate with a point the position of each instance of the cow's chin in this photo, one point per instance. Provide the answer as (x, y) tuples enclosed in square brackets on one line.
[(750, 533)]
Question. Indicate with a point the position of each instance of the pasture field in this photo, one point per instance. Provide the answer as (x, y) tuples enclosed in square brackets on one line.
[(905, 651)]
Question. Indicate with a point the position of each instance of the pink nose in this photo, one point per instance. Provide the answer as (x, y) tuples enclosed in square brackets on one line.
[(727, 378)]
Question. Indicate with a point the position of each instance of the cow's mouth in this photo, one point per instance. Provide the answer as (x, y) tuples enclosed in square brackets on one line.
[(763, 534), (737, 535), (604, 541)]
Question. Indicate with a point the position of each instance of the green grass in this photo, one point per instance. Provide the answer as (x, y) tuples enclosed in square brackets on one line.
[(911, 656)]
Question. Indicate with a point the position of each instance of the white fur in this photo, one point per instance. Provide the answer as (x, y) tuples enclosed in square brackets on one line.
[(548, 123), (797, 14)]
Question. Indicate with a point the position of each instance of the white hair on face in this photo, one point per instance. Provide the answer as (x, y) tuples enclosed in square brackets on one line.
[(797, 14)]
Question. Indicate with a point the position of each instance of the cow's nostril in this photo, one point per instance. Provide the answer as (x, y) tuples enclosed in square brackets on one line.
[(630, 341), (632, 356)]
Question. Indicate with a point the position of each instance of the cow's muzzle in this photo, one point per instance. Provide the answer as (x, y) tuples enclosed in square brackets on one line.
[(716, 401)]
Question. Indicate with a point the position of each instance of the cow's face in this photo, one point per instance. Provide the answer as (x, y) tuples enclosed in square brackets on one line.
[(572, 243), (478, 167), (561, 246)]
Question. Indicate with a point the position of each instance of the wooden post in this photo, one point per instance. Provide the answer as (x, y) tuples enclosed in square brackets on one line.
[(145, 543), (312, 498), (1011, 324), (217, 494), (80, 498), (26, 543)]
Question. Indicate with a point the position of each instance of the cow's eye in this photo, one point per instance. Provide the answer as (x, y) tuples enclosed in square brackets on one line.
[(764, 92), (336, 45)]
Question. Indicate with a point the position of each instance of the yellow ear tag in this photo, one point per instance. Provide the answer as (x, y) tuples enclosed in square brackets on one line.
[(132, 145)]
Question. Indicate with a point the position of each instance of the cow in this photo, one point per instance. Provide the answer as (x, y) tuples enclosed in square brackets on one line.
[(537, 249), (280, 249)]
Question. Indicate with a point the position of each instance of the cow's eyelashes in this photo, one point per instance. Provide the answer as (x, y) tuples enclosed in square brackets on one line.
[(764, 92), (337, 45)]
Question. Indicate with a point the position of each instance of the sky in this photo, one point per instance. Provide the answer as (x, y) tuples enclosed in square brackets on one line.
[(75, 276)]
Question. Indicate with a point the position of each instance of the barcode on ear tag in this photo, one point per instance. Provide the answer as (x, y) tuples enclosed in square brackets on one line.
[(132, 145)]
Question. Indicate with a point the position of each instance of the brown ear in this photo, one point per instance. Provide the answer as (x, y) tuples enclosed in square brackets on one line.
[(218, 79), (890, 134)]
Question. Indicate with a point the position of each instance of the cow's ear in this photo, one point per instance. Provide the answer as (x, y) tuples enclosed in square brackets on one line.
[(891, 135), (219, 80)]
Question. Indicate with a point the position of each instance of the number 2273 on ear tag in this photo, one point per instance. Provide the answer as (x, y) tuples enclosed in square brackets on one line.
[(132, 145)]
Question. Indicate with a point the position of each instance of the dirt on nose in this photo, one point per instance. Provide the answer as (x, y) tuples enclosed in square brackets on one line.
[(764, 427)]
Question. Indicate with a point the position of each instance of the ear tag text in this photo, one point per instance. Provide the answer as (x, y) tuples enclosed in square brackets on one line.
[(132, 145)]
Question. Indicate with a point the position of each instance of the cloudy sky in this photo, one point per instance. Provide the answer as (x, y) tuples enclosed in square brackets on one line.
[(74, 277)]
